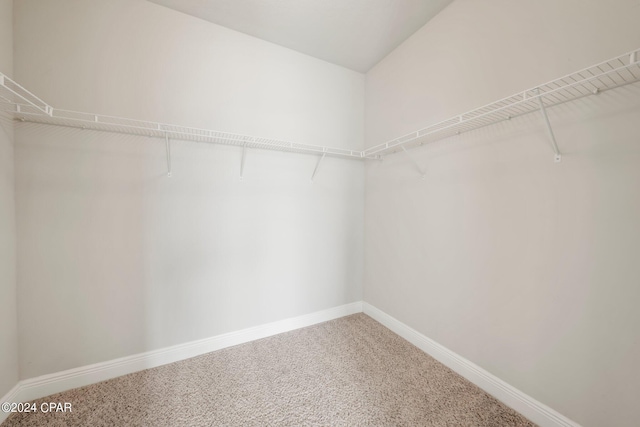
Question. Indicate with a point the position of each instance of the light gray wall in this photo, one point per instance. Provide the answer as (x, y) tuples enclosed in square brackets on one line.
[(526, 267), (8, 298), (114, 257)]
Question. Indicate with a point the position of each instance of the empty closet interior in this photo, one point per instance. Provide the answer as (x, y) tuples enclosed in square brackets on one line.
[(183, 177)]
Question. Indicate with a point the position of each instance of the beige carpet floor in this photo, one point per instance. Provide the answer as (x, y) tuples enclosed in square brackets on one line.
[(347, 372)]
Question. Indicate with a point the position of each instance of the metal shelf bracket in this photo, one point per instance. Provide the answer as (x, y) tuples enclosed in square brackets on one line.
[(168, 146), (244, 152), (558, 156), (412, 160), (317, 166)]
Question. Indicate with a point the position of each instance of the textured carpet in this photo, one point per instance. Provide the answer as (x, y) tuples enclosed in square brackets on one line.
[(347, 372)]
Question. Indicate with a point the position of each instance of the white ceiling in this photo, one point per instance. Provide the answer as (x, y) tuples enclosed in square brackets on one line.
[(356, 34)]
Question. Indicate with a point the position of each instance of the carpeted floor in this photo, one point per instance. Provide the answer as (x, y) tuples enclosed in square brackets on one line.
[(347, 372)]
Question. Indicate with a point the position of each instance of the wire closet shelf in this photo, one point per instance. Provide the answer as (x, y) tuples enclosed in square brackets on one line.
[(610, 74), (621, 70), (27, 107)]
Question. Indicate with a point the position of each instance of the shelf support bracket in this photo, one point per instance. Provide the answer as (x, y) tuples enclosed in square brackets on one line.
[(552, 137), (412, 160), (244, 152), (317, 166), (168, 146)]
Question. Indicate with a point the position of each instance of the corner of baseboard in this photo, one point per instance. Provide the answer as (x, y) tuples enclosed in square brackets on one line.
[(536, 411)]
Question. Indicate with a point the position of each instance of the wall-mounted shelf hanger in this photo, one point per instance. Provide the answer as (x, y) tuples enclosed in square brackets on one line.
[(615, 72), (423, 175), (552, 137), (315, 170), (244, 153), (168, 144)]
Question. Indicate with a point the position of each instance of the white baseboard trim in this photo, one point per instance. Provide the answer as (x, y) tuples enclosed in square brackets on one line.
[(11, 396), (537, 412), (46, 385)]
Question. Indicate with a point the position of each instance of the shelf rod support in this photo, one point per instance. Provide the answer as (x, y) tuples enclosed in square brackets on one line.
[(168, 145), (244, 151), (552, 137), (412, 160), (317, 166)]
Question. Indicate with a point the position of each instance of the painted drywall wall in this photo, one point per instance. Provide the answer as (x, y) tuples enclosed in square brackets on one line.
[(114, 257), (526, 267), (8, 297)]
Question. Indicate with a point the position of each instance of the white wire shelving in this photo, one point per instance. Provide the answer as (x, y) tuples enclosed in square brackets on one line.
[(25, 106), (621, 70), (615, 72)]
